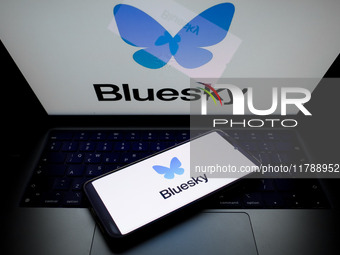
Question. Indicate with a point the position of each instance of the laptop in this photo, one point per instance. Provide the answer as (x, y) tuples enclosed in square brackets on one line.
[(82, 65)]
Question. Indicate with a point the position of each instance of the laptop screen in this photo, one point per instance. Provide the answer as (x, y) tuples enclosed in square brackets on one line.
[(137, 57)]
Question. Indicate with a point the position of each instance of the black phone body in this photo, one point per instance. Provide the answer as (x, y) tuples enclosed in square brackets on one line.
[(149, 190)]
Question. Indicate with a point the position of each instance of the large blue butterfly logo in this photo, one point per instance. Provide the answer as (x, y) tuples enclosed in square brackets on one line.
[(169, 172), (138, 29)]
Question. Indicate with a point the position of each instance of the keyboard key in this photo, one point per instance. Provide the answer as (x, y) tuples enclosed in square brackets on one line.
[(253, 200), (267, 185), (122, 146), (98, 136), (110, 168), (104, 146), (251, 146), (136, 156), (265, 146), (72, 199), (158, 146), (255, 136), (183, 136), (93, 158), (77, 183), (110, 158), (166, 136), (69, 146), (86, 146), (273, 200), (140, 146), (75, 170), (132, 136), (150, 136), (61, 135), (94, 170), (235, 135), (62, 184), (81, 136), (127, 158), (230, 202), (116, 136), (271, 136), (54, 146), (294, 201), (53, 198), (73, 157)]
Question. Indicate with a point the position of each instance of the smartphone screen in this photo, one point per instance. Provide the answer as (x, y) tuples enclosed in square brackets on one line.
[(143, 192)]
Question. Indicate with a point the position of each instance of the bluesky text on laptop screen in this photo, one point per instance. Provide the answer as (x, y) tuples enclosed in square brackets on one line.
[(137, 57)]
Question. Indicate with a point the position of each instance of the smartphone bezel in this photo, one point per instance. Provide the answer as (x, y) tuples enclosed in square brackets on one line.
[(105, 219)]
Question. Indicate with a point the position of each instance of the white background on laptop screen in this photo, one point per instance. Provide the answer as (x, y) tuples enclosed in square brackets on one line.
[(64, 47)]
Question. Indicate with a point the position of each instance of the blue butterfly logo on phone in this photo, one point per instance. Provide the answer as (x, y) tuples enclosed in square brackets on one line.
[(140, 30), (169, 172)]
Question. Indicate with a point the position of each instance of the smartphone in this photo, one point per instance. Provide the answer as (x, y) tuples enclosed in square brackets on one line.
[(149, 190)]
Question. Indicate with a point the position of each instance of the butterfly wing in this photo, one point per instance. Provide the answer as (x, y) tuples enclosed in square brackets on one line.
[(138, 29), (153, 57), (175, 166), (168, 173), (207, 29), (161, 169), (175, 163), (191, 57)]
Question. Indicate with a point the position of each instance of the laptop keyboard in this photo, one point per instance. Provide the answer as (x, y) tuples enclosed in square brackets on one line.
[(70, 158)]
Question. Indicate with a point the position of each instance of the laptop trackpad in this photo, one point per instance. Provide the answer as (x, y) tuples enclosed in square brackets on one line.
[(206, 233)]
